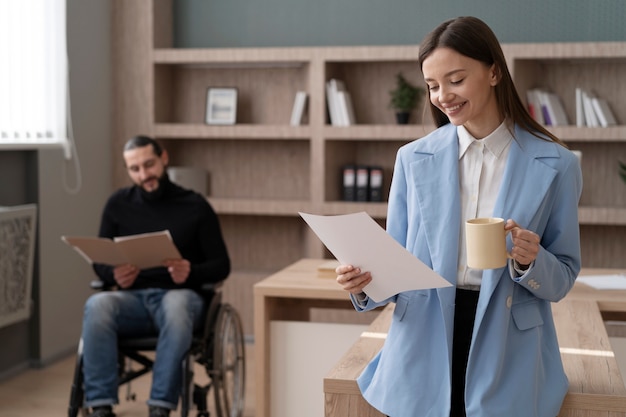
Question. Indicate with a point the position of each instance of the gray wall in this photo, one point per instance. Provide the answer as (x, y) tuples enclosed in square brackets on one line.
[(61, 280), (64, 277), (233, 23)]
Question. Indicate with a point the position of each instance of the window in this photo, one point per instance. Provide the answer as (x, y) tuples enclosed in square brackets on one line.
[(33, 74)]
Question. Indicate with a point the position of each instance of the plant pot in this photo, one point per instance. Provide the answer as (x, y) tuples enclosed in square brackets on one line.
[(402, 118)]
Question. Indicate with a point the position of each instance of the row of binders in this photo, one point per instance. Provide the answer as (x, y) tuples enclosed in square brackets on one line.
[(591, 111), (362, 183), (340, 109)]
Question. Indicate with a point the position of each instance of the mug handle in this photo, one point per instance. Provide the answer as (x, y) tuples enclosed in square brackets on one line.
[(508, 255)]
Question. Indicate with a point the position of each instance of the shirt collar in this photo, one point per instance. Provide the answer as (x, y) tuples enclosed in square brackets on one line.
[(496, 142)]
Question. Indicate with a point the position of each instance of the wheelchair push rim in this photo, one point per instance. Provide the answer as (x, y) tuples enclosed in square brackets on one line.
[(229, 364)]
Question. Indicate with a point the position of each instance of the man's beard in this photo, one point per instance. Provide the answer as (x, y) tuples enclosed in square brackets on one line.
[(158, 192)]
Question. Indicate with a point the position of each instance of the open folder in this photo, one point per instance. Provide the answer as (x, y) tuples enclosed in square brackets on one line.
[(146, 250), (356, 239)]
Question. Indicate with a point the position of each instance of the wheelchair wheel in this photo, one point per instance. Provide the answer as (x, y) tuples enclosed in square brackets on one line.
[(228, 364)]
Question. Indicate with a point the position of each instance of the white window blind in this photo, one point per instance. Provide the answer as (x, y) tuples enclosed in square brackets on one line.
[(33, 74)]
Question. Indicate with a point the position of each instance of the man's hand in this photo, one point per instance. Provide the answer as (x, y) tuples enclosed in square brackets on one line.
[(179, 269), (125, 275)]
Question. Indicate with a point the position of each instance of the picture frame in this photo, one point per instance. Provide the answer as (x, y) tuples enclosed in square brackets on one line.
[(221, 106)]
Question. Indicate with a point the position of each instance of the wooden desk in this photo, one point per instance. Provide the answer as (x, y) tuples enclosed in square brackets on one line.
[(596, 386), (289, 294)]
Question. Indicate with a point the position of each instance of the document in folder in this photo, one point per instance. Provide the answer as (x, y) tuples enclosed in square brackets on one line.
[(356, 239), (146, 250)]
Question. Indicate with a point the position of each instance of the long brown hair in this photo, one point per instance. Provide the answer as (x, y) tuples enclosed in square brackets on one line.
[(472, 37)]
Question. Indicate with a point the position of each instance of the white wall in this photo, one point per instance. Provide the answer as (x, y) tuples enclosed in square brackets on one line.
[(63, 276)]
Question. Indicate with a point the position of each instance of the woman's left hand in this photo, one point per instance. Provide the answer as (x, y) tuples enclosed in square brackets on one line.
[(525, 243)]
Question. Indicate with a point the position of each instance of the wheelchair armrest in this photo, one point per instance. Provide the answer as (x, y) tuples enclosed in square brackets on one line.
[(99, 285), (212, 287)]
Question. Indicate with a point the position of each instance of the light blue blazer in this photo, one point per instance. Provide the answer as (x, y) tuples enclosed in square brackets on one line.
[(514, 366)]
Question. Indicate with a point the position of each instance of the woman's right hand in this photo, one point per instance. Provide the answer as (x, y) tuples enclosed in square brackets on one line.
[(352, 279)]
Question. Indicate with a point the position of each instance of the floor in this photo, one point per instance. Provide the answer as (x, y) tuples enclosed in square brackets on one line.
[(45, 392)]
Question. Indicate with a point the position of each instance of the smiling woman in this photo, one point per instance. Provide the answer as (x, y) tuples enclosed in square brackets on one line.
[(459, 337), (33, 75)]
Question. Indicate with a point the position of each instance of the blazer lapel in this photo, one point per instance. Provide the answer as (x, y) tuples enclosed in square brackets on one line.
[(435, 174)]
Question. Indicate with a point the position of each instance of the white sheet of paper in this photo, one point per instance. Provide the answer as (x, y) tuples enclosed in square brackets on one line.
[(356, 239), (604, 282)]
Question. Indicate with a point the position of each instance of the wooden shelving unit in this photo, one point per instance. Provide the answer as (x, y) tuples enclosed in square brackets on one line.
[(600, 68), (263, 171)]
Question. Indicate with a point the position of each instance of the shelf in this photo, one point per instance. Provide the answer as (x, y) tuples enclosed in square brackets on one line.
[(233, 57), (615, 216), (242, 131), (375, 210), (586, 51), (262, 171), (248, 169), (610, 216), (377, 132), (358, 132), (265, 91), (259, 207), (233, 206), (590, 134), (597, 68)]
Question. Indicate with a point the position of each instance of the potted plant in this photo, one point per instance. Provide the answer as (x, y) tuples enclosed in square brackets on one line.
[(404, 98)]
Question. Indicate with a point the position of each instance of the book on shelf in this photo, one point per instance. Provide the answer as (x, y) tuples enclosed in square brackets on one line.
[(331, 93), (603, 112), (146, 250), (299, 107), (339, 102), (546, 107), (590, 115), (596, 111), (344, 104), (580, 110), (554, 108), (534, 106)]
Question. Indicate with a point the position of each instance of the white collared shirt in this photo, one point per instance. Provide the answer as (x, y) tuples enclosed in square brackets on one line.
[(481, 168)]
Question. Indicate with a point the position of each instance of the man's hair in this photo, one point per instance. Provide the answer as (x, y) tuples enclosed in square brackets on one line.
[(140, 141)]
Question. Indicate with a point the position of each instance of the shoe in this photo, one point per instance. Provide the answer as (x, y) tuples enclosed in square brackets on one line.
[(158, 411), (103, 411)]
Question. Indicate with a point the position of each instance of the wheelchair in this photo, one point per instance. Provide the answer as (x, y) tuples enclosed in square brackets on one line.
[(218, 347)]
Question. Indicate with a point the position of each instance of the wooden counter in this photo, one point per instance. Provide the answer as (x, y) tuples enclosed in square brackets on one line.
[(596, 386), (289, 294)]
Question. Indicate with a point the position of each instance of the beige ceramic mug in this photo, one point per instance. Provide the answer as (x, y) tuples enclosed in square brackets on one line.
[(485, 240)]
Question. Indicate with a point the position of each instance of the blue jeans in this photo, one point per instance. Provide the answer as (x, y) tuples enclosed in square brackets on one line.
[(170, 314)]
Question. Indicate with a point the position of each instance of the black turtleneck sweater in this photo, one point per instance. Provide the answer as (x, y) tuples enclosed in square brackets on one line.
[(191, 221)]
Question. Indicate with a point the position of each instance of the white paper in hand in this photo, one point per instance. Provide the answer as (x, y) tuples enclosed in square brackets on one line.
[(356, 239)]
